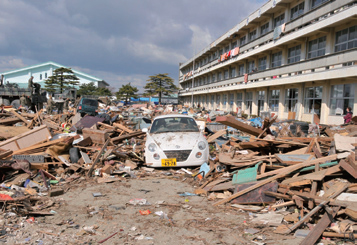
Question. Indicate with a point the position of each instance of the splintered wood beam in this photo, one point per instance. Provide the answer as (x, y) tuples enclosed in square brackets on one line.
[(232, 122), (20, 117)]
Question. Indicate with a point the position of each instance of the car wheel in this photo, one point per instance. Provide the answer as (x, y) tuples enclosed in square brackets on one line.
[(6, 102), (15, 104), (74, 154)]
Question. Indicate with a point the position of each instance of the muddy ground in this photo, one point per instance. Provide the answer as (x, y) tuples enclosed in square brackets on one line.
[(81, 218)]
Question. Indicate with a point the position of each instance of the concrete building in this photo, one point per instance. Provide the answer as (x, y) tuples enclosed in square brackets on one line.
[(42, 71), (294, 58)]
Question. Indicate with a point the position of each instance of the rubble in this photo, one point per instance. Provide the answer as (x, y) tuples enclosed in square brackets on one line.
[(287, 181)]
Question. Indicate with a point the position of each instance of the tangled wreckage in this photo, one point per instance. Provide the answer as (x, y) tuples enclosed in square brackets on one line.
[(293, 183)]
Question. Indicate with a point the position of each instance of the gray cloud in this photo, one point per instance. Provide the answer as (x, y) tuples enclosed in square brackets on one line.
[(120, 41)]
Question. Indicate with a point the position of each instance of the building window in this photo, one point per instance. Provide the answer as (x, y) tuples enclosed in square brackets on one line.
[(251, 66), (276, 59), (316, 3), (261, 99), (225, 99), (242, 41), (313, 98), (233, 72), (218, 99), (213, 78), (239, 100), (291, 99), (212, 100), (252, 35), (316, 47), (274, 100), (262, 63), (264, 29), (226, 49), (294, 54), (46, 75), (346, 39), (279, 20), (40, 76), (297, 10), (342, 96), (241, 70), (208, 79), (234, 44), (231, 99), (219, 76), (249, 101), (226, 74)]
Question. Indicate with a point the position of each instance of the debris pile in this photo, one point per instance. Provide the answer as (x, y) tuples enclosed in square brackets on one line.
[(301, 185), (297, 178)]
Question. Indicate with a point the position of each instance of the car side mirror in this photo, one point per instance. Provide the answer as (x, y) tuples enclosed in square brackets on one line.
[(145, 130)]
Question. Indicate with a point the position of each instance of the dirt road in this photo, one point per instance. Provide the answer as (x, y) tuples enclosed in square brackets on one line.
[(81, 218)]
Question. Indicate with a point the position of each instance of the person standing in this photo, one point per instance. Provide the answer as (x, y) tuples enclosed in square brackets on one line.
[(50, 104), (30, 84), (23, 101), (66, 105), (348, 116)]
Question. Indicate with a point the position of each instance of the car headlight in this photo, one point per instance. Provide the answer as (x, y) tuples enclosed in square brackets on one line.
[(152, 147), (156, 156), (201, 145)]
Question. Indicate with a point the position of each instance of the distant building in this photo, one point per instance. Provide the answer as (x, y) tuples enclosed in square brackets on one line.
[(43, 71), (295, 59)]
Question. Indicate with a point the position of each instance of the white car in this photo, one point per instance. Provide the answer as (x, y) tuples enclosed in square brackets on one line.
[(175, 141)]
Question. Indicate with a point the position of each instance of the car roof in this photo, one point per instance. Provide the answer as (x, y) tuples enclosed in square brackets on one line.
[(172, 115)]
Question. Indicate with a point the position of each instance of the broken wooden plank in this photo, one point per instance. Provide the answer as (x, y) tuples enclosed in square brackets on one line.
[(127, 136), (20, 117), (97, 158), (216, 135), (316, 209), (316, 232), (351, 168), (304, 164), (232, 122), (97, 136), (122, 127), (26, 139)]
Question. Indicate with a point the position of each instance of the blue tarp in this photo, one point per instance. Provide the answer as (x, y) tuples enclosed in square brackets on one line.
[(145, 99), (256, 122)]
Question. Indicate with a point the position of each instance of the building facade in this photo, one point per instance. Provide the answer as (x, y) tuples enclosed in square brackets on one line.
[(293, 58), (41, 72)]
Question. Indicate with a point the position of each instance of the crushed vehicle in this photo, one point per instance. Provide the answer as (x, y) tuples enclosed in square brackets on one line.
[(175, 141), (88, 106)]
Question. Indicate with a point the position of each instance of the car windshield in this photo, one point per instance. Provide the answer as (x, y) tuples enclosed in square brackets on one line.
[(174, 124), (90, 102)]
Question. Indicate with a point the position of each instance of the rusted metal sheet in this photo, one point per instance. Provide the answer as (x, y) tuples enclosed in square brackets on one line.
[(257, 195)]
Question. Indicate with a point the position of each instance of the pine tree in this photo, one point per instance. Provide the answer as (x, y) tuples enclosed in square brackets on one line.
[(127, 91), (160, 84), (61, 79)]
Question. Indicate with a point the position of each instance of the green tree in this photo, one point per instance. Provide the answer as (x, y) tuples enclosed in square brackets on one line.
[(91, 89), (61, 79), (160, 84), (87, 89), (127, 91), (103, 92)]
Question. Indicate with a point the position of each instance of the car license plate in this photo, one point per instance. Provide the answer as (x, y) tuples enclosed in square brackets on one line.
[(169, 162)]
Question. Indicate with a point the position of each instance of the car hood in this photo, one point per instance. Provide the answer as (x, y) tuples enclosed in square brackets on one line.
[(176, 141)]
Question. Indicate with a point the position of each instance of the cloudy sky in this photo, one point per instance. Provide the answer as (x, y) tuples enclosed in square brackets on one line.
[(120, 41)]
